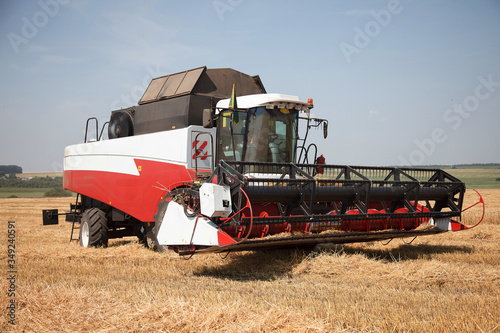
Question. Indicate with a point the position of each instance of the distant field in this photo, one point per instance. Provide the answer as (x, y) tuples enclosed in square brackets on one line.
[(8, 190), (481, 178), (40, 174), (477, 166), (22, 192)]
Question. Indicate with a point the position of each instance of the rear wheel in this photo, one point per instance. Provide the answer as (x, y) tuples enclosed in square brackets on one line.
[(94, 228)]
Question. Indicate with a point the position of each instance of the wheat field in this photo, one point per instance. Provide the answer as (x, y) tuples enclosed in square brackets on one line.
[(442, 283)]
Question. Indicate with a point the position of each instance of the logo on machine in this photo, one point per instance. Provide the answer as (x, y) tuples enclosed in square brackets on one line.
[(200, 149)]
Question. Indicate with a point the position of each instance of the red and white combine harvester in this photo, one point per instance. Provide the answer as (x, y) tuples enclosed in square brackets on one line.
[(193, 169)]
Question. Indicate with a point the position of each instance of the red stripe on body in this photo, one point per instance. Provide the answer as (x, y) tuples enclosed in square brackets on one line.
[(137, 196)]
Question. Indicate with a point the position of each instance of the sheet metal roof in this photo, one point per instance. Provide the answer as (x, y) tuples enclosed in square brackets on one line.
[(217, 83)]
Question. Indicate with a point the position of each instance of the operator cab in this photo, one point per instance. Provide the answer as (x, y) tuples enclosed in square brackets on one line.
[(264, 128)]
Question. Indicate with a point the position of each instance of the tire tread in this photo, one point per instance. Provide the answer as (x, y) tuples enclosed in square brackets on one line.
[(98, 227)]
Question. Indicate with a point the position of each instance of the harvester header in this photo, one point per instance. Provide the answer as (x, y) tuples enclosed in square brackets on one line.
[(193, 170)]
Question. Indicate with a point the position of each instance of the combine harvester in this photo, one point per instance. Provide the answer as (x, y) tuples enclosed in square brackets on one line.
[(195, 170)]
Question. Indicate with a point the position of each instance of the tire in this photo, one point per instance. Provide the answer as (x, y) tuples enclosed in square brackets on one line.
[(151, 242), (94, 228), (147, 237)]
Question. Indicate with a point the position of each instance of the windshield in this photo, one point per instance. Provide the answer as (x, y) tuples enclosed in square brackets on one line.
[(258, 135)]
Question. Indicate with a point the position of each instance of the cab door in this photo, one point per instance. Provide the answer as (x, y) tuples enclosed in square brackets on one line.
[(201, 150)]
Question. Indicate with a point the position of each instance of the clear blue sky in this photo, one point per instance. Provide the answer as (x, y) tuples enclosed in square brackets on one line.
[(399, 81)]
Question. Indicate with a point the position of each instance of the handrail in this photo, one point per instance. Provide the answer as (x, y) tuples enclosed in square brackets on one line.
[(98, 136), (87, 129)]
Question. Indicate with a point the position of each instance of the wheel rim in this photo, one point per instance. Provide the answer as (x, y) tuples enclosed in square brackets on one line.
[(85, 234)]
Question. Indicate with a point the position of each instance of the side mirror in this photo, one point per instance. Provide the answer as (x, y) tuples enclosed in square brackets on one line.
[(325, 129), (208, 119)]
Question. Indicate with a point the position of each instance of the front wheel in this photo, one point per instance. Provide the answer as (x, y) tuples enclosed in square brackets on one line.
[(162, 208), (94, 228), (146, 236)]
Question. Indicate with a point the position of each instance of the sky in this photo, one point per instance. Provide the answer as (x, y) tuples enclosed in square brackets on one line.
[(400, 82)]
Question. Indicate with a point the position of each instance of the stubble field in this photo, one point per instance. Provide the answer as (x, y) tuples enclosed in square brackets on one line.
[(443, 283)]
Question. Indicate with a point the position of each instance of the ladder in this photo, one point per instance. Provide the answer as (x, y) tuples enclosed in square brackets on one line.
[(74, 216)]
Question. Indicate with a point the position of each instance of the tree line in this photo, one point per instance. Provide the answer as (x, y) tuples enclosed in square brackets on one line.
[(35, 182), (8, 169)]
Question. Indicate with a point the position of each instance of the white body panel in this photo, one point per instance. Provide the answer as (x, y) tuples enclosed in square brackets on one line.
[(251, 101), (179, 229), (117, 155)]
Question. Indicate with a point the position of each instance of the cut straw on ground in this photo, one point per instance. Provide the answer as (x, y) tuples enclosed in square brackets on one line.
[(441, 283)]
